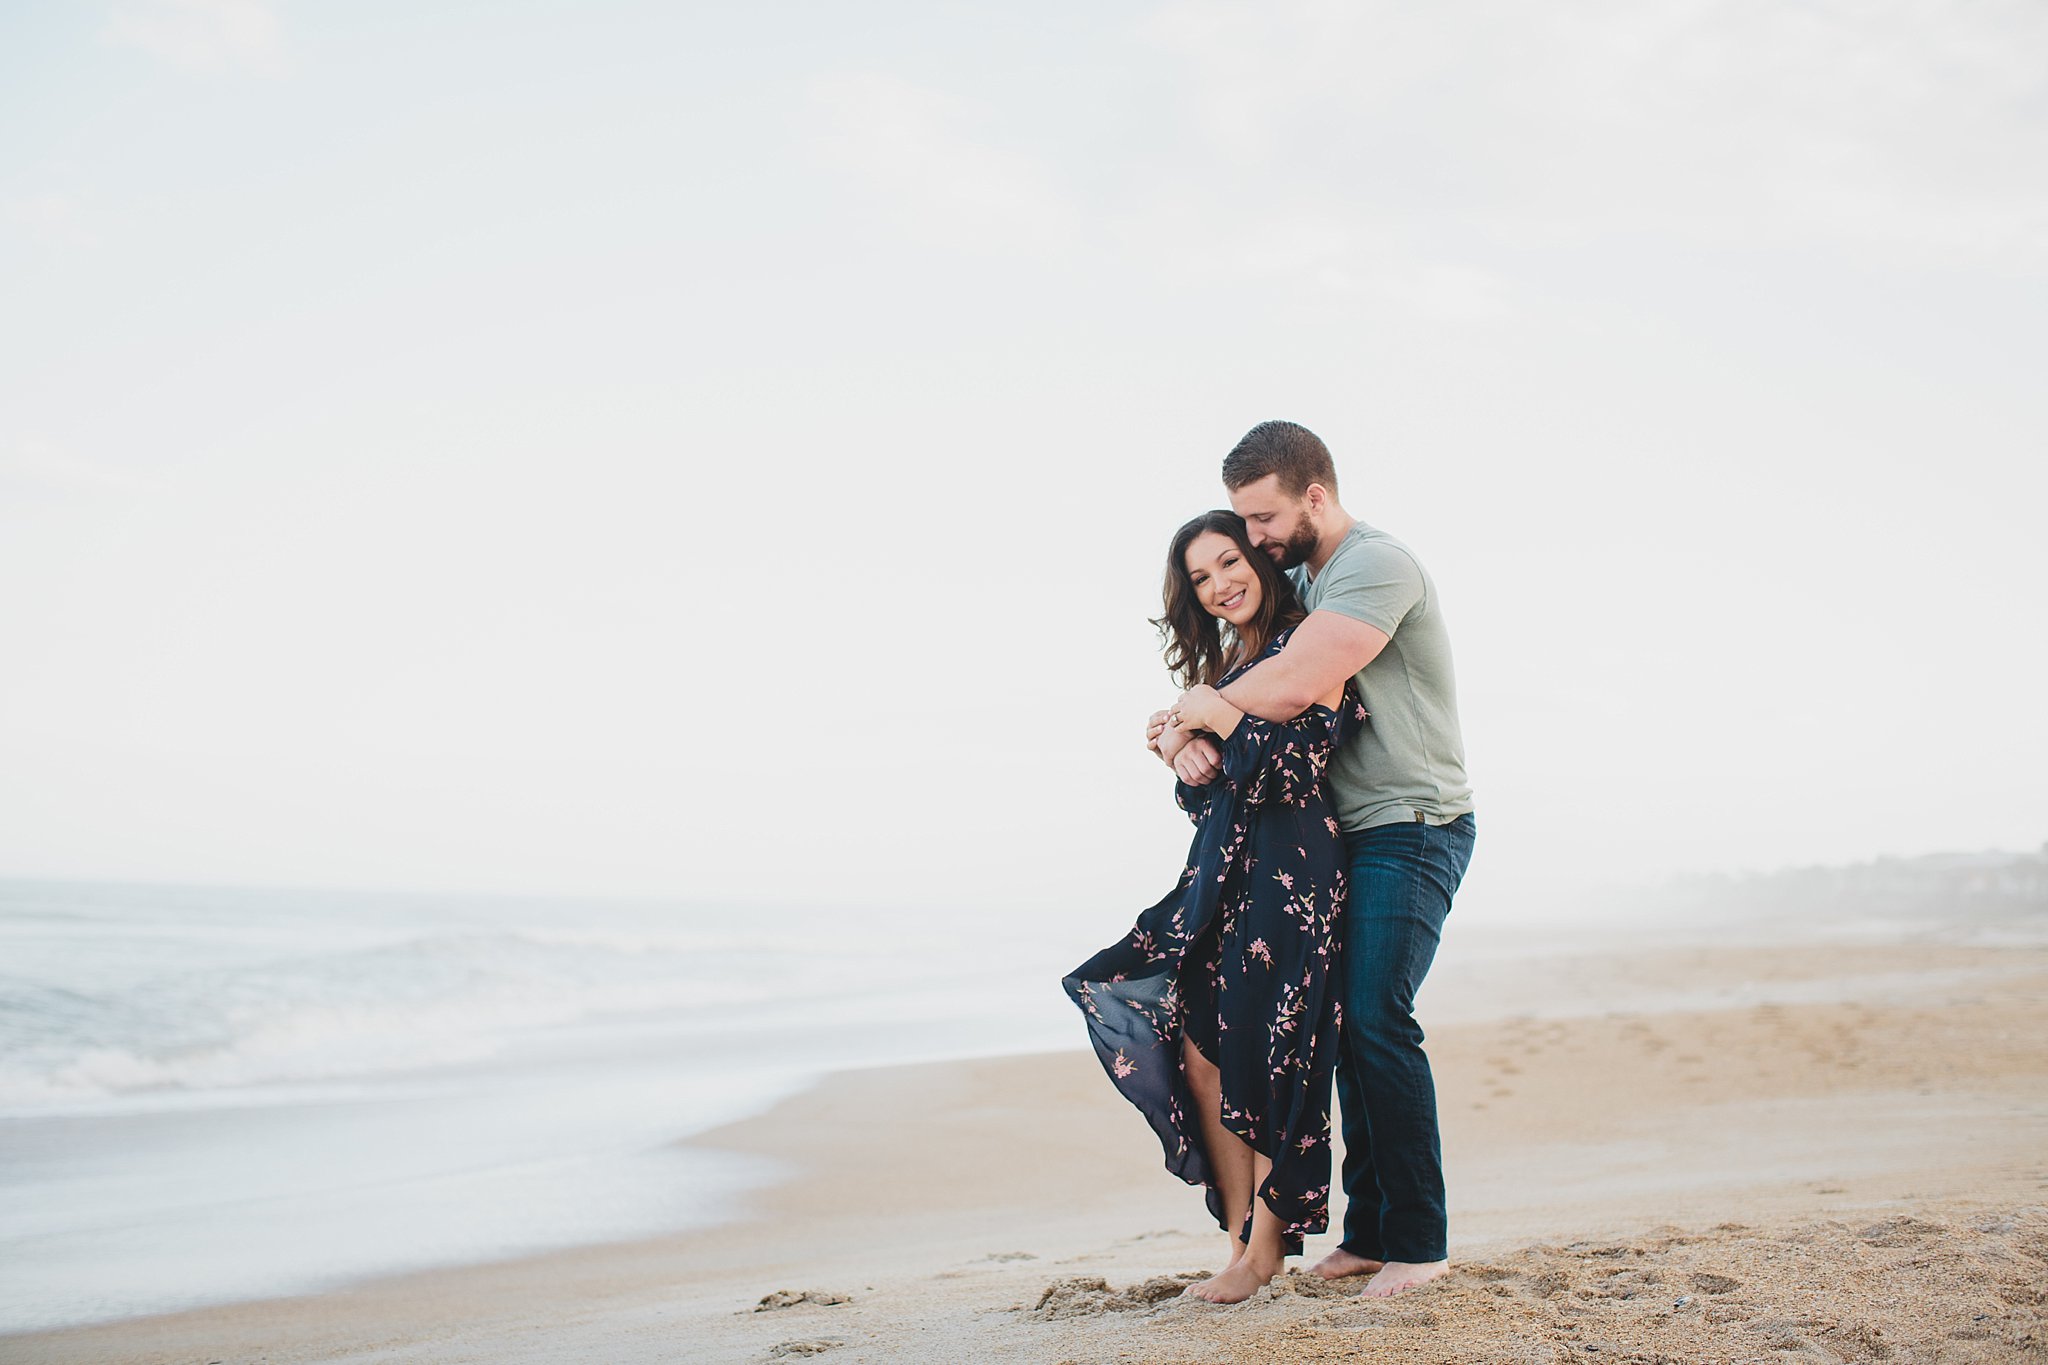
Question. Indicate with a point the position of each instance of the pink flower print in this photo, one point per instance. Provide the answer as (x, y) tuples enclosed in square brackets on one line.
[(1260, 951), (1332, 823), (1285, 879), (1124, 1066)]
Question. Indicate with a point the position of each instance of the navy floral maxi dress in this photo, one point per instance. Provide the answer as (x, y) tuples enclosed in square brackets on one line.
[(1239, 959)]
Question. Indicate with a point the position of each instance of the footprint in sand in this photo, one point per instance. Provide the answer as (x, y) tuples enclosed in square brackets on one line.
[(1625, 1284), (802, 1348), (1904, 1230), (790, 1298), (1086, 1296), (1301, 1284), (1788, 1335)]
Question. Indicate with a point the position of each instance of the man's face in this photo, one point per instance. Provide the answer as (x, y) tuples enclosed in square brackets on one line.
[(1275, 523)]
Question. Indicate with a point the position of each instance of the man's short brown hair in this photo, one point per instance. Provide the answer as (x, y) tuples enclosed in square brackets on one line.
[(1288, 449)]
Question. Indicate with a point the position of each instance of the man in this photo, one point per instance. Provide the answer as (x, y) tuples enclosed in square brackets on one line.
[(1406, 812)]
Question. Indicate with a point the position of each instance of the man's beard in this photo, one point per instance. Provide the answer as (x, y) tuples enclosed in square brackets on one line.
[(1296, 549)]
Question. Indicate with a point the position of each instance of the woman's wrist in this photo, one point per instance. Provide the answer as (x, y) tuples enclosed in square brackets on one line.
[(1203, 708)]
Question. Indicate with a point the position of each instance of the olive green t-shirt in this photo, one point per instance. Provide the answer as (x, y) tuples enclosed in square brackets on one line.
[(1409, 757)]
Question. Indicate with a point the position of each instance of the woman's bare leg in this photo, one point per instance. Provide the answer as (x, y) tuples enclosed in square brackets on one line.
[(1261, 1260), (1230, 1156)]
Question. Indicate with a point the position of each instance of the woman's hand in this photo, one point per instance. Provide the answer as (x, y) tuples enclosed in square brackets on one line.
[(1165, 738), (1193, 757), (1202, 707)]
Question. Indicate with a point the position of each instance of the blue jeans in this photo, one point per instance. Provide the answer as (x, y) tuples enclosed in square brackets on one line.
[(1401, 883)]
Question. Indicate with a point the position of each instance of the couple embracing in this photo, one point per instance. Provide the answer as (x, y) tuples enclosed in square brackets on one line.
[(1316, 749)]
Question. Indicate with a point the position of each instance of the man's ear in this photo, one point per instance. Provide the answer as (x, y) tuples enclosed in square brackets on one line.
[(1318, 498)]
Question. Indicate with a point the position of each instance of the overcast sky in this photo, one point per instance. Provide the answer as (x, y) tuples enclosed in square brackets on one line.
[(729, 451)]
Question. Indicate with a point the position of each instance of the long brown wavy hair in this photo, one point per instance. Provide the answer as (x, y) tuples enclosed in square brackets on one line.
[(1201, 648)]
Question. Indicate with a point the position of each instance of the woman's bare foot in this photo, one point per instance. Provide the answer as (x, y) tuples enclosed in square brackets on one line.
[(1244, 1278), (1395, 1276), (1341, 1263)]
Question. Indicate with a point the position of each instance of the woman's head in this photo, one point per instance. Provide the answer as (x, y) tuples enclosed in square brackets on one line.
[(1215, 581)]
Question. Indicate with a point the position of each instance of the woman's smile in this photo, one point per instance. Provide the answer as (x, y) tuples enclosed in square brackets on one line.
[(1233, 599)]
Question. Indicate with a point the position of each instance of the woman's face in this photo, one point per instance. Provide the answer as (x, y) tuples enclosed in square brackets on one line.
[(1224, 583)]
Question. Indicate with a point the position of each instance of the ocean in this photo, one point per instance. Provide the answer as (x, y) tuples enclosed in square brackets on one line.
[(216, 1094)]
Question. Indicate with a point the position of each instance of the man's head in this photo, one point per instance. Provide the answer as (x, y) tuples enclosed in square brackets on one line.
[(1282, 482)]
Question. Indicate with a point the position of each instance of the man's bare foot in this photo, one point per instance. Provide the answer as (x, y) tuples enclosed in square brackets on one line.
[(1341, 1263), (1395, 1276), (1243, 1279)]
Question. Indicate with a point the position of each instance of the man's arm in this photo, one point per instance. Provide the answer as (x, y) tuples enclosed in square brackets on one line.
[(1324, 650)]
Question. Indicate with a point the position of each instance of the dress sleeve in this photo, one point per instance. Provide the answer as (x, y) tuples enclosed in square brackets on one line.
[(1195, 800), (1281, 761)]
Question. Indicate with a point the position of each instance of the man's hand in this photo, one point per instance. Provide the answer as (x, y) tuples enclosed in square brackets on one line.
[(1199, 761), (1171, 741), (1194, 758)]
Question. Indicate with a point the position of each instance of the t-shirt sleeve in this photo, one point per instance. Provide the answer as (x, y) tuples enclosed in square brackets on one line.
[(1376, 584)]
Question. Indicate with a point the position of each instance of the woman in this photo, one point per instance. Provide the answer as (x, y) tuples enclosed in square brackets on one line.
[(1213, 1016)]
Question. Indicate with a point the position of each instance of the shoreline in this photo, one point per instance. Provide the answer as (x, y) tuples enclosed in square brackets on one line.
[(946, 1198)]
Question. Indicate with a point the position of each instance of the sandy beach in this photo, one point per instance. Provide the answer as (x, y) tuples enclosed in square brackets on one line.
[(1854, 1167)]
